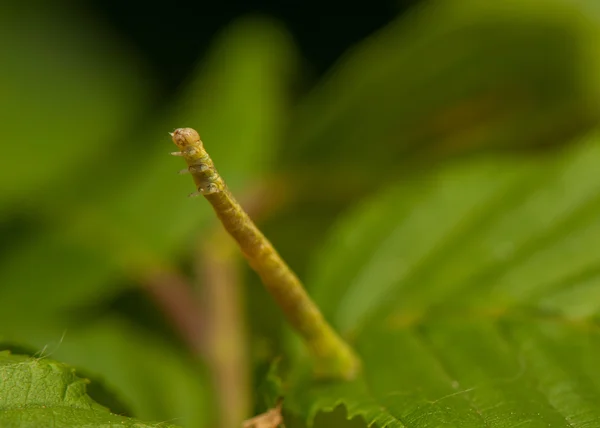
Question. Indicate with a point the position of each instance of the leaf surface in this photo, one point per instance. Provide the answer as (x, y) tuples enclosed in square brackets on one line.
[(68, 89), (471, 294), (450, 76), (37, 392), (148, 376)]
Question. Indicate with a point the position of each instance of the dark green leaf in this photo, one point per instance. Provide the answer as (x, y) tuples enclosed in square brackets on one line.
[(129, 211), (68, 90)]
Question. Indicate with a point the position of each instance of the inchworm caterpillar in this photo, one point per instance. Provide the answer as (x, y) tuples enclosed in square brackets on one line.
[(333, 356)]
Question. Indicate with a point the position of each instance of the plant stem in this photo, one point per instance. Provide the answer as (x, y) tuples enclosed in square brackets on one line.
[(225, 333), (172, 293), (333, 357)]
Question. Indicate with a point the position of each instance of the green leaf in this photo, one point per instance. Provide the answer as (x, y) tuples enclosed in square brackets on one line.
[(37, 392), (50, 275), (271, 388), (237, 102), (450, 76), (68, 90), (471, 294), (153, 379), (447, 78), (128, 211)]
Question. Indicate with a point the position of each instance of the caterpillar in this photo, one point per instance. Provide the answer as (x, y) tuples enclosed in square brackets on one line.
[(200, 165), (333, 356)]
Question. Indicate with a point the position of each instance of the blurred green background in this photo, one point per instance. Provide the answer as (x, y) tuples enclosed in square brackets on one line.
[(304, 115)]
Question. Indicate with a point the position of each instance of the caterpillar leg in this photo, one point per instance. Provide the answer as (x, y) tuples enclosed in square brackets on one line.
[(176, 153), (209, 189), (184, 171), (198, 168)]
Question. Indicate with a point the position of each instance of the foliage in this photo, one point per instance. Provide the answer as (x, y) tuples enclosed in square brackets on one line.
[(35, 391), (489, 316), (467, 284)]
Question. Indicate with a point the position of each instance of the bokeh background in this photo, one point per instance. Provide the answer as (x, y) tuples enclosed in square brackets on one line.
[(104, 262)]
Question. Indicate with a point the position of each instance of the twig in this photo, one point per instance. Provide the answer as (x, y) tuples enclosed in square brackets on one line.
[(272, 418), (175, 297), (225, 336)]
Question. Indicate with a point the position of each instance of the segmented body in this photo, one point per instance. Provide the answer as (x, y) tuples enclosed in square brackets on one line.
[(334, 357), (200, 165)]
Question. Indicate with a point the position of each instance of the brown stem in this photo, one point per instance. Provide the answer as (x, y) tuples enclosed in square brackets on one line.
[(175, 297), (227, 353)]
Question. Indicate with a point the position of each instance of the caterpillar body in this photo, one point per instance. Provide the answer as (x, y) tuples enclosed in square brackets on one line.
[(200, 165), (333, 356)]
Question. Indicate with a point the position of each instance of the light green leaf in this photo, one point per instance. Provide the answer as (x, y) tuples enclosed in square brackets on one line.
[(471, 294), (37, 392), (451, 76), (150, 377)]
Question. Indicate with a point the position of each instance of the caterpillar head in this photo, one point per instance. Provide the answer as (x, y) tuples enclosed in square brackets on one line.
[(185, 137)]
